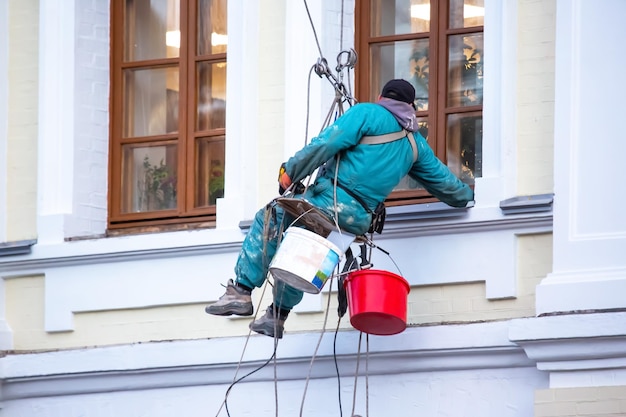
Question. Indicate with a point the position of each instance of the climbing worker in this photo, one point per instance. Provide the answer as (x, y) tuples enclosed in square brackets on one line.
[(363, 155)]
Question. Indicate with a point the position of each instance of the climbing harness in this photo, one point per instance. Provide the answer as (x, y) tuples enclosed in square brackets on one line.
[(392, 137)]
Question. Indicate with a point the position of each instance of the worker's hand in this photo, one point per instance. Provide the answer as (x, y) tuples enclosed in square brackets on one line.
[(283, 180)]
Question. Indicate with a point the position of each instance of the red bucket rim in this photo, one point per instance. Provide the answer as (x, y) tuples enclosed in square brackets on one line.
[(358, 273)]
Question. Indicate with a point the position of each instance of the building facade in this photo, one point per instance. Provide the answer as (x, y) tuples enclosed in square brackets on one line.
[(516, 305)]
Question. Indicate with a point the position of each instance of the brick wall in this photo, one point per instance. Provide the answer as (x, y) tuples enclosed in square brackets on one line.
[(581, 402), (271, 97), (467, 302), (535, 93), (22, 123), (91, 118)]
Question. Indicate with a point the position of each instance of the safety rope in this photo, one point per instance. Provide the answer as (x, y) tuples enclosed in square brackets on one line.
[(346, 61)]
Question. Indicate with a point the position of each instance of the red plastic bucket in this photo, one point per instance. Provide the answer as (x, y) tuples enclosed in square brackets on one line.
[(377, 301)]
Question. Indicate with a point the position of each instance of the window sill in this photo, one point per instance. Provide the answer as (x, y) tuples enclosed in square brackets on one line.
[(22, 247), (534, 211)]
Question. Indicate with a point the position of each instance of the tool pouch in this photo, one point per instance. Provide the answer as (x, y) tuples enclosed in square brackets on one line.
[(378, 219)]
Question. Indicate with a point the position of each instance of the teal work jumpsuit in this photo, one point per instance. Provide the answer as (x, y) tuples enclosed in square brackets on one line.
[(369, 171)]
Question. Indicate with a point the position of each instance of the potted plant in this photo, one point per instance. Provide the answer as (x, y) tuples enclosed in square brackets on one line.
[(157, 187)]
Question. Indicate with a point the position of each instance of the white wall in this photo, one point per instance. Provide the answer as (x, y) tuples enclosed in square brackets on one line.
[(589, 225), (4, 112), (431, 371)]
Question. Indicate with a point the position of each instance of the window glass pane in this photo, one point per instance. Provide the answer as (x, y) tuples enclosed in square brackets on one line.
[(149, 178), (211, 95), (209, 171), (398, 17), (212, 28), (408, 60), (467, 13), (464, 140), (151, 29), (150, 102), (407, 182), (465, 70)]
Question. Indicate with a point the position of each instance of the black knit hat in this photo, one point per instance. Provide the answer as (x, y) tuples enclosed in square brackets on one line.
[(400, 90)]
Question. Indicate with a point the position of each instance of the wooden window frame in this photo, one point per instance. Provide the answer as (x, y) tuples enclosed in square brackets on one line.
[(438, 80), (185, 214)]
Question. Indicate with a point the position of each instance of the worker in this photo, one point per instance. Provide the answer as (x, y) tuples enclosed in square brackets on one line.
[(360, 175)]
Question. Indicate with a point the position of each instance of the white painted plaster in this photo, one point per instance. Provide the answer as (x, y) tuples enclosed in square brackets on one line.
[(301, 54), (4, 113), (135, 284), (489, 256), (91, 120), (223, 351), (569, 326), (499, 111), (6, 334), (589, 227), (123, 272), (595, 378), (187, 266), (471, 366), (240, 194), (56, 118), (576, 350)]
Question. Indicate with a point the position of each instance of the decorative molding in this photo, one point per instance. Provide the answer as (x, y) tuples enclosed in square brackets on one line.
[(577, 349), (124, 261), (21, 247), (530, 212), (527, 204), (186, 363)]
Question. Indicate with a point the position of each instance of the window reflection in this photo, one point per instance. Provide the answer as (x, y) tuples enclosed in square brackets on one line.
[(399, 17), (465, 70), (211, 96), (464, 145), (150, 104), (212, 27), (209, 171), (150, 180), (152, 29)]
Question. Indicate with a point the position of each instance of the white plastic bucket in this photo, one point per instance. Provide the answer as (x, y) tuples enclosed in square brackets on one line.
[(305, 260)]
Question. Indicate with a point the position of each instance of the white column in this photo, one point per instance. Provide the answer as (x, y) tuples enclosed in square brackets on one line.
[(56, 118), (239, 202), (589, 270), (301, 53), (6, 338), (4, 111)]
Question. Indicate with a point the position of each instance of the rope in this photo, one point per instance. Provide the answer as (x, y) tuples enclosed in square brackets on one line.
[(235, 380), (367, 383), (356, 374), (313, 27), (266, 237), (337, 366), (319, 341)]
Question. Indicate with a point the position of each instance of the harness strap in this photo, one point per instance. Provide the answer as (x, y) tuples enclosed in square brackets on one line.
[(391, 137), (353, 195)]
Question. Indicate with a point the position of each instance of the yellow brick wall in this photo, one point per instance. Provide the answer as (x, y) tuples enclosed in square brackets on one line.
[(22, 120), (25, 315), (535, 96), (467, 302), (271, 129), (581, 402)]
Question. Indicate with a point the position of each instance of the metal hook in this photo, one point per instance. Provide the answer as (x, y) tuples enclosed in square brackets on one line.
[(350, 59)]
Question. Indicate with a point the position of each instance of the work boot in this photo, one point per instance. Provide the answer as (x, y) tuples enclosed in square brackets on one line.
[(269, 325), (235, 300)]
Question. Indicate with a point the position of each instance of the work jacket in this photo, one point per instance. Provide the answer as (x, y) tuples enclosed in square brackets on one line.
[(367, 173)]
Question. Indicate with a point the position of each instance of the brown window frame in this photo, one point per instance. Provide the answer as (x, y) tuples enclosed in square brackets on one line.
[(438, 111), (185, 213)]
